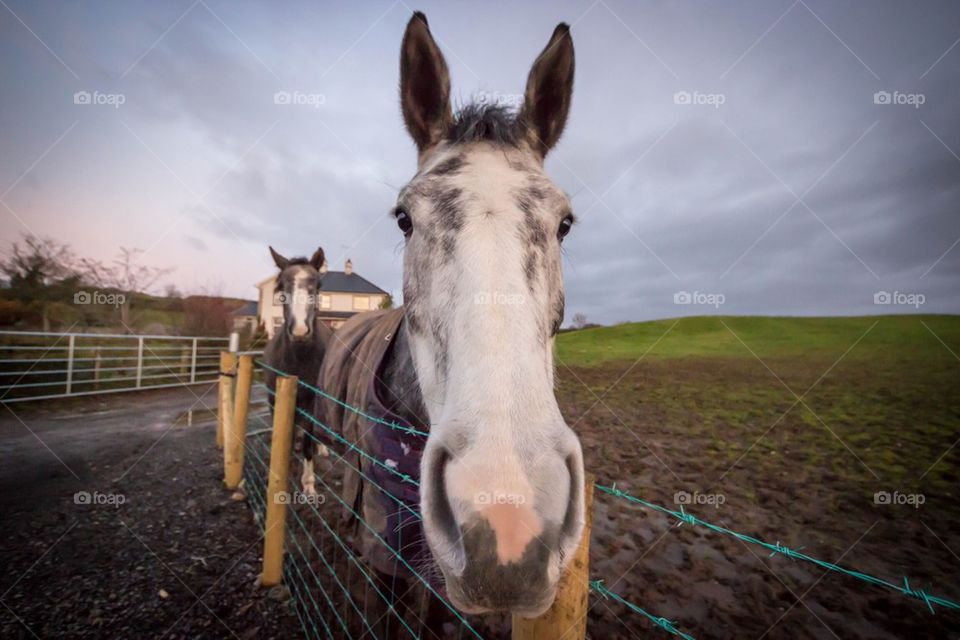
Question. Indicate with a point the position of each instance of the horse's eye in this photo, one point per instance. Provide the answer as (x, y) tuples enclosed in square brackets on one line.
[(403, 220), (565, 226)]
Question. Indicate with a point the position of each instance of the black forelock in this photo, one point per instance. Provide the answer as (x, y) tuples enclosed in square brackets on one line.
[(481, 122), (292, 262)]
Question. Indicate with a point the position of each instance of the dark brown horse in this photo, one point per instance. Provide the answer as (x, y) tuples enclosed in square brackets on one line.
[(299, 345)]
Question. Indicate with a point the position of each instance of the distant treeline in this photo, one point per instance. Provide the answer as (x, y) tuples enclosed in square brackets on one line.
[(47, 287)]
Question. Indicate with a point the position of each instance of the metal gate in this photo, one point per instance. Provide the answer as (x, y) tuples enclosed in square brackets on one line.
[(37, 365)]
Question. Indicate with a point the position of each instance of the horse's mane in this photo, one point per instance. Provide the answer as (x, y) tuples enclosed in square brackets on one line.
[(482, 122)]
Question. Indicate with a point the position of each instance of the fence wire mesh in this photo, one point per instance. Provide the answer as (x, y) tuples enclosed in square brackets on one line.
[(332, 586)]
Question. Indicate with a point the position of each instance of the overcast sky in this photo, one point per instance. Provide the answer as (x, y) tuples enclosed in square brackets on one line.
[(734, 150)]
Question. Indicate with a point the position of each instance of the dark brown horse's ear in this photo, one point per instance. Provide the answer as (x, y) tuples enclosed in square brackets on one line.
[(424, 85), (549, 92), (279, 260), (316, 261)]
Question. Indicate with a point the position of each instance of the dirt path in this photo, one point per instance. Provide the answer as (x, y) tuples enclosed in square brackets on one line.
[(158, 550)]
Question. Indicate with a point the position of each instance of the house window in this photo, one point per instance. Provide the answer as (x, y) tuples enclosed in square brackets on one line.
[(324, 301), (361, 303), (277, 322)]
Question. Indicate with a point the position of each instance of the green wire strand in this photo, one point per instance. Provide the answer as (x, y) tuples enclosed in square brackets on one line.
[(352, 447), (321, 392), (359, 565), (402, 560), (688, 518), (353, 559), (259, 504), (261, 497), (663, 623)]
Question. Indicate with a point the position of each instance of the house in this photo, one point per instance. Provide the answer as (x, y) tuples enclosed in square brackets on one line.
[(244, 319), (342, 294)]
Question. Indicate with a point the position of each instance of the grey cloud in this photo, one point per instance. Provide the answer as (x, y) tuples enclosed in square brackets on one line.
[(698, 198)]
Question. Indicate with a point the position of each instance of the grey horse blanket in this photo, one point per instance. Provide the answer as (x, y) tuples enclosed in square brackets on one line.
[(389, 504)]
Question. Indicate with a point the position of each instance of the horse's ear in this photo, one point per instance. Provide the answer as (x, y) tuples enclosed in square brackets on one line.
[(316, 260), (549, 91), (424, 85), (279, 260)]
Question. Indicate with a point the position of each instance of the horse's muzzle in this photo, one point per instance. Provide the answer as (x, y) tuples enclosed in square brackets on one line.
[(500, 550)]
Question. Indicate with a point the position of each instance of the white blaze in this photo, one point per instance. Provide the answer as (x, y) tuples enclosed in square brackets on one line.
[(299, 306)]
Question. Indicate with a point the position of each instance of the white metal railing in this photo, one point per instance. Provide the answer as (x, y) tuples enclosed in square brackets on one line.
[(37, 365)]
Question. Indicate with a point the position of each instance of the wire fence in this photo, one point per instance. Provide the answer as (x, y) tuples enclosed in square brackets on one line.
[(683, 517), (334, 590), (337, 594)]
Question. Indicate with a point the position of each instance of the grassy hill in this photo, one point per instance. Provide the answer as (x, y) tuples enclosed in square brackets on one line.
[(913, 336)]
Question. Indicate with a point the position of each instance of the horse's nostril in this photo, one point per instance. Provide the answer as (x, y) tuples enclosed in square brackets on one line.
[(443, 519), (571, 528)]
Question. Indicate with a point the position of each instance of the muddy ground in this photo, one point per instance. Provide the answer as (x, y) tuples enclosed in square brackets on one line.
[(804, 475), (179, 557), (158, 550)]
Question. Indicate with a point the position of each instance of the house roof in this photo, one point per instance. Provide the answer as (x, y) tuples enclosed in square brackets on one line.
[(344, 283), (248, 309), (340, 282)]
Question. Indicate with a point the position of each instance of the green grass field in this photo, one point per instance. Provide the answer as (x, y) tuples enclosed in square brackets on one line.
[(862, 397), (731, 336)]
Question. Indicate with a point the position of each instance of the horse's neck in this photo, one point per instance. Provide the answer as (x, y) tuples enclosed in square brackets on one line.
[(397, 384), (300, 357)]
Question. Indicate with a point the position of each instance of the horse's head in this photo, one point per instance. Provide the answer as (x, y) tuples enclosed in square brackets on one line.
[(502, 473), (296, 289)]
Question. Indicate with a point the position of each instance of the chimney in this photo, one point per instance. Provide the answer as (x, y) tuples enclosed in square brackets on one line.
[(348, 267), (323, 267)]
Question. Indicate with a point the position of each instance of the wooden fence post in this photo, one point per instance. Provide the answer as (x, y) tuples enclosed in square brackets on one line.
[(235, 431), (225, 415), (566, 619), (277, 497)]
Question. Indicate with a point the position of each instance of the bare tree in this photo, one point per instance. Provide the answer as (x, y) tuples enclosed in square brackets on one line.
[(41, 271), (579, 320), (127, 275)]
